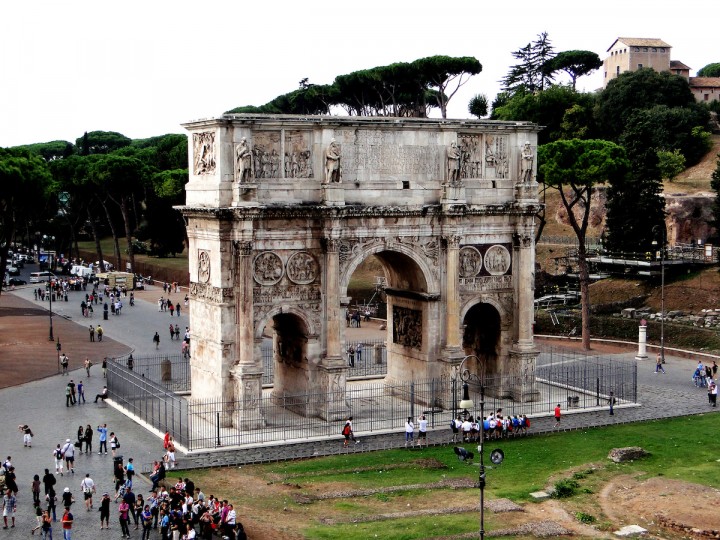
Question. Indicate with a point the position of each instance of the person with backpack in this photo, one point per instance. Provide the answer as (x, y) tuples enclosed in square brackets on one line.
[(455, 427), (57, 454), (347, 432)]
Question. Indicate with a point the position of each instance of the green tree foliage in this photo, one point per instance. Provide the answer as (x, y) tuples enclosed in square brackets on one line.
[(635, 90), (574, 167), (171, 151), (399, 89), (478, 105), (529, 75), (574, 63), (664, 128), (634, 207), (670, 164), (51, 151), (101, 142), (548, 108), (25, 181), (711, 70)]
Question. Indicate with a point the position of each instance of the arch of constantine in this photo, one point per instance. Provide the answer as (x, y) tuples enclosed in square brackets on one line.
[(281, 210)]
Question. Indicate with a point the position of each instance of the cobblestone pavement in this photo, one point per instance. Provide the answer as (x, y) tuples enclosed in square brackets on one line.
[(41, 404)]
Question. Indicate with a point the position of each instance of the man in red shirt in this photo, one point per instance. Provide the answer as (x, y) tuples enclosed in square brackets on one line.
[(557, 415), (67, 521)]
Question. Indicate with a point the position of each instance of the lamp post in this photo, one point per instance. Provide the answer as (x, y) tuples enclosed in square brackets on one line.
[(662, 290), (50, 295), (466, 404)]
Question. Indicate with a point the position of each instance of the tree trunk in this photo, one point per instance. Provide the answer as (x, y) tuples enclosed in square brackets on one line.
[(98, 246), (128, 236), (584, 275), (116, 242)]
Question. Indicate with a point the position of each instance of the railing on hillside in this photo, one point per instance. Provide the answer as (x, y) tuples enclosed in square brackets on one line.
[(591, 242), (572, 379)]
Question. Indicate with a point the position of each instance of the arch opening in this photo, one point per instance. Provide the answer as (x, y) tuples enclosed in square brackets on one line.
[(481, 338)]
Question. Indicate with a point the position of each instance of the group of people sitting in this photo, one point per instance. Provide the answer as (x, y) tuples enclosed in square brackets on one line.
[(495, 426), (184, 508)]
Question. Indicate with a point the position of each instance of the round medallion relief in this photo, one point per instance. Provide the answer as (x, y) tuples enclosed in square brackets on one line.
[(470, 262), (497, 260), (267, 268), (203, 266), (302, 268)]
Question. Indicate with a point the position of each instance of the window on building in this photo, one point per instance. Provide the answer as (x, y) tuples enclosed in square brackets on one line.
[(617, 70), (707, 97), (606, 74), (662, 49), (645, 49), (637, 49), (654, 49), (639, 66)]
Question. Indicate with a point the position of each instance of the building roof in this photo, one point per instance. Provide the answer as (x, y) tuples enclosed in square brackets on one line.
[(640, 42), (677, 64), (704, 82)]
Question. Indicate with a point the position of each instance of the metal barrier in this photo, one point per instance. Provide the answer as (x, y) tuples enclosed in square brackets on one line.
[(560, 377)]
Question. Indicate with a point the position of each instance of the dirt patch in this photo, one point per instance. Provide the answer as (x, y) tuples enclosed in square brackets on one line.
[(628, 501)]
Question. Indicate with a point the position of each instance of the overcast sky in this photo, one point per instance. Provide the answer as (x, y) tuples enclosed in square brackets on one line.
[(142, 68)]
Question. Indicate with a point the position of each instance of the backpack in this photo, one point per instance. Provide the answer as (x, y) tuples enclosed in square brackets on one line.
[(346, 429), (58, 453)]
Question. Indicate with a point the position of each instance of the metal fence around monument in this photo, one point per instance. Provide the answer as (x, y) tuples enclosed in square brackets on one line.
[(575, 380)]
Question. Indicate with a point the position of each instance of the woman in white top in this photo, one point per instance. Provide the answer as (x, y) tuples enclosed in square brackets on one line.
[(409, 431)]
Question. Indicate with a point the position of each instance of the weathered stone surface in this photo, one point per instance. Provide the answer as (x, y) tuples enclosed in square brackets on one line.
[(630, 530), (630, 453), (540, 495)]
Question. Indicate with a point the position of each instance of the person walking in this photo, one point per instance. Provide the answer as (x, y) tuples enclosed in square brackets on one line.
[(92, 332), (105, 511), (35, 488), (80, 392), (67, 523), (358, 352), (659, 364), (611, 403), (172, 331), (171, 308), (68, 452), (64, 362), (351, 356), (99, 330), (73, 398), (156, 340), (124, 517), (104, 367), (9, 508), (88, 488), (177, 309), (46, 526), (114, 443), (557, 415), (87, 439), (51, 499), (67, 498), (177, 333), (48, 480), (88, 364), (58, 455), (409, 431)]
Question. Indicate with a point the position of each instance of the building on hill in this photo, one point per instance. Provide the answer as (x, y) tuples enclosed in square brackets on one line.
[(631, 54), (705, 88)]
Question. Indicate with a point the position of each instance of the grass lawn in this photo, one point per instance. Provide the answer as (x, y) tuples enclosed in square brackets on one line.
[(179, 262), (399, 480)]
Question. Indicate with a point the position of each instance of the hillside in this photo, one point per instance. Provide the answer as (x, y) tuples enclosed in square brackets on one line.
[(688, 197)]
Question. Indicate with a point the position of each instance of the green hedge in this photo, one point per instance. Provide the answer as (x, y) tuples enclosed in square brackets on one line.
[(680, 336)]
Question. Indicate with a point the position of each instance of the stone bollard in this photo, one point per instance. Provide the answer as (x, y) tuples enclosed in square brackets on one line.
[(642, 342), (378, 353), (166, 370)]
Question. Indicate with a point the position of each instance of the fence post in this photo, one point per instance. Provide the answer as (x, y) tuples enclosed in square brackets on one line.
[(217, 419), (412, 399)]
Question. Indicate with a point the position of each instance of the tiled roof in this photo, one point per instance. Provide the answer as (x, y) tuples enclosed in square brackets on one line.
[(704, 82), (677, 64), (640, 42)]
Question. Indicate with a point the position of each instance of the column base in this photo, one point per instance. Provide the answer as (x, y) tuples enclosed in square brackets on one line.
[(522, 364), (249, 399), (244, 194), (334, 383)]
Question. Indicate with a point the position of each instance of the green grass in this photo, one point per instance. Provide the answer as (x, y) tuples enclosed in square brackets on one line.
[(681, 448)]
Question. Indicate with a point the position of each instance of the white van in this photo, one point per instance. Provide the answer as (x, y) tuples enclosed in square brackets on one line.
[(81, 271), (41, 277)]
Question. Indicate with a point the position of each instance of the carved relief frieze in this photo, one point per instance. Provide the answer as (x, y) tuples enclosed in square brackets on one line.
[(202, 291), (407, 327), (497, 260), (471, 156), (496, 156), (349, 249), (298, 156), (485, 283), (302, 268), (203, 265), (286, 294), (204, 153), (470, 262), (266, 154), (268, 268)]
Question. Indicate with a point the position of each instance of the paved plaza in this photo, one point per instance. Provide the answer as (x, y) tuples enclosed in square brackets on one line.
[(41, 402)]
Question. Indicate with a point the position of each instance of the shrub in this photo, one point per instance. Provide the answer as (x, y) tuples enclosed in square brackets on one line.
[(582, 517), (565, 488)]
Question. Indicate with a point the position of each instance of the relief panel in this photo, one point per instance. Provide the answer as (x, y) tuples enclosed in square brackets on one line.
[(298, 161)]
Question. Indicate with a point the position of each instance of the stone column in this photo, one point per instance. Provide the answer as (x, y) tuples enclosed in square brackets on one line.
[(642, 343), (333, 369), (453, 339), (523, 355), (248, 369)]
